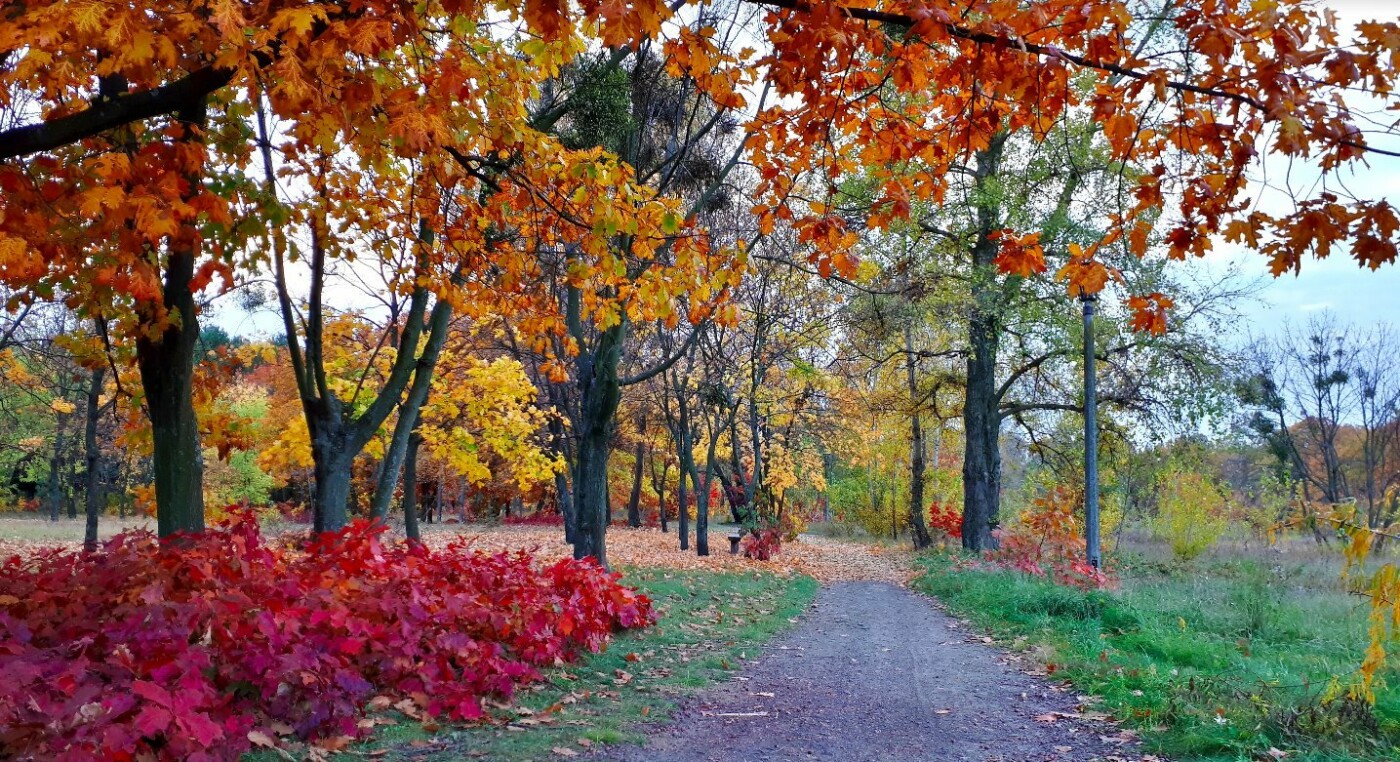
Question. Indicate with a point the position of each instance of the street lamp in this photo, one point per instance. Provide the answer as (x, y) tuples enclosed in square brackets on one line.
[(1091, 438)]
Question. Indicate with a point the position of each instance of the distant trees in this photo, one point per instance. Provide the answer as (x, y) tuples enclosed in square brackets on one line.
[(1323, 399)]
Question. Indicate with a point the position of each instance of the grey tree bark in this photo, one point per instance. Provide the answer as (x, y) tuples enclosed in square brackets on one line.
[(916, 450), (92, 493)]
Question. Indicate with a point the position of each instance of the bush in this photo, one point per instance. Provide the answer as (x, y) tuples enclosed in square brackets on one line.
[(1048, 541), (1191, 513), (186, 650), (946, 518), (764, 543)]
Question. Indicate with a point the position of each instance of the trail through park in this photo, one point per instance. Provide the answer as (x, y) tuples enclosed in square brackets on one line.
[(876, 673)]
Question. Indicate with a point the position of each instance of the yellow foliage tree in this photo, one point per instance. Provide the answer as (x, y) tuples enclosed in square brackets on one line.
[(481, 422), (1191, 512)]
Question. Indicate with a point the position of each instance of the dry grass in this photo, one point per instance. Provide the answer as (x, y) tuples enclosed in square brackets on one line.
[(32, 529)]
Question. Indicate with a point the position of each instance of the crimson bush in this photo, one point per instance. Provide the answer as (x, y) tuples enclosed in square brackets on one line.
[(181, 650), (763, 543)]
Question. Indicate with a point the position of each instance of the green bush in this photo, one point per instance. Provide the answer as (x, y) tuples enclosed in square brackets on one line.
[(1190, 511)]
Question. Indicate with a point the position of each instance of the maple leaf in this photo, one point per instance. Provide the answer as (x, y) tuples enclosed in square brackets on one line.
[(300, 20), (1021, 255), (1149, 312)]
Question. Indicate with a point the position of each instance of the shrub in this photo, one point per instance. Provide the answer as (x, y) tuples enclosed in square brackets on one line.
[(763, 543), (182, 650), (1048, 542), (946, 518), (1191, 513)]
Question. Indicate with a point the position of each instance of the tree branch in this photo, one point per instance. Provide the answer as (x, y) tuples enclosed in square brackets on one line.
[(109, 113), (1046, 51)]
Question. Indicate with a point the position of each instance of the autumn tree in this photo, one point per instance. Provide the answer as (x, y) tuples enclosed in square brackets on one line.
[(859, 78), (138, 124)]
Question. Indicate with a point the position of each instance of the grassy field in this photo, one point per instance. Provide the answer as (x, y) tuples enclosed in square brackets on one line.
[(709, 625), (1223, 659)]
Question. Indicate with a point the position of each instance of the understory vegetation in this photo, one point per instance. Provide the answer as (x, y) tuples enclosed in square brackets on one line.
[(200, 649), (1225, 659)]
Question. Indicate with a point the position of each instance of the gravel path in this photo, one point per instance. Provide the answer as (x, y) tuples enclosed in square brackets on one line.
[(875, 673)]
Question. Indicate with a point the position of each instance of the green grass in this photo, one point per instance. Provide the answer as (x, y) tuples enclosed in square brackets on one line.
[(1218, 661), (709, 624)]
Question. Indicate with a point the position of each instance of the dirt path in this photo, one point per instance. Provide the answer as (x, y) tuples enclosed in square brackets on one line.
[(875, 673)]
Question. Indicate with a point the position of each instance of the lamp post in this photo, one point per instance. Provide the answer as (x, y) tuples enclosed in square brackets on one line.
[(1091, 438)]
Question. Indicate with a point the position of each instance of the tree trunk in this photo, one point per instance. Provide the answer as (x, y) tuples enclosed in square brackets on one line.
[(982, 428), (755, 483), (661, 496), (591, 493), (742, 511), (683, 515), (634, 513), (166, 365), (165, 346), (56, 470), (599, 395), (982, 406), (685, 455), (702, 512), (333, 460), (70, 496), (410, 488), (409, 411), (92, 493), (916, 452), (702, 501), (564, 501), (437, 499)]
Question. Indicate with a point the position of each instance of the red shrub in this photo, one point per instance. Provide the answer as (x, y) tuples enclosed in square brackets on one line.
[(178, 652), (946, 518), (762, 544), (1049, 542)]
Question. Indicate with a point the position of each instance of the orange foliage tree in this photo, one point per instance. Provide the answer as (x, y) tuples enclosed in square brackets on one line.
[(124, 183)]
